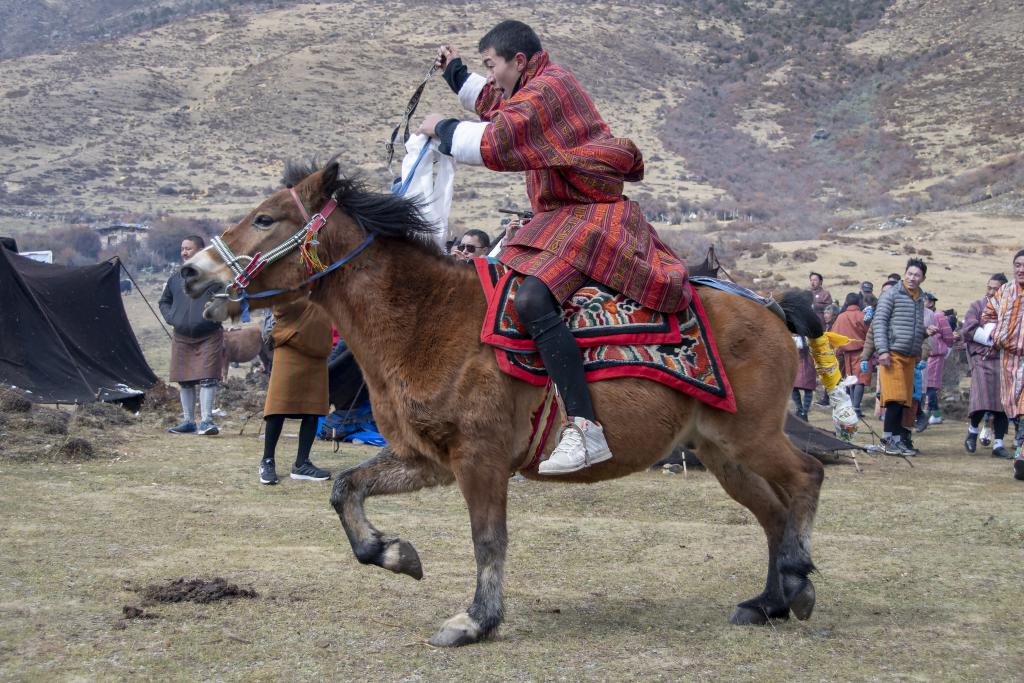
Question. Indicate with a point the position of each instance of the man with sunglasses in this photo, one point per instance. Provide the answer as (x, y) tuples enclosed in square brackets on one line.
[(536, 118), (474, 243)]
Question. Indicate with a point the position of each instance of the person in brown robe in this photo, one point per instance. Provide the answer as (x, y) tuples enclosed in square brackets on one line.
[(850, 323), (301, 338)]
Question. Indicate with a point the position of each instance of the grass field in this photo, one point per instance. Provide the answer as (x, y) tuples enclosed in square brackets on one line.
[(626, 580)]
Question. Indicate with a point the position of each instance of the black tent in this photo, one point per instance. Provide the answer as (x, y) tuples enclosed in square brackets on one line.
[(64, 334)]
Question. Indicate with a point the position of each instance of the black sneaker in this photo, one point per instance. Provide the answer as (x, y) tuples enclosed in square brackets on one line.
[(1018, 469), (908, 446), (971, 442), (268, 474), (1001, 452), (893, 446), (310, 472), (184, 428), (921, 423)]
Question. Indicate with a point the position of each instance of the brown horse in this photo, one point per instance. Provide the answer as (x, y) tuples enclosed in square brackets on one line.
[(244, 344), (412, 318)]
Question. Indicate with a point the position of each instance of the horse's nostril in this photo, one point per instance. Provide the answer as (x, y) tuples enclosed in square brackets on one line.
[(188, 272)]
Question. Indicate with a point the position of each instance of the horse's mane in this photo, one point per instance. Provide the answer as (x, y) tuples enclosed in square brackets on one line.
[(383, 213)]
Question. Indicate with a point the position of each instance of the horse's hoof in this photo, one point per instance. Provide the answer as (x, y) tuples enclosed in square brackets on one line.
[(401, 557), (748, 616), (802, 603), (459, 630)]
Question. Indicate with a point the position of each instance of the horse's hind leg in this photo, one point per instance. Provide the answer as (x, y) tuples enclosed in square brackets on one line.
[(757, 495), (383, 474), (796, 479), (486, 492), (795, 552)]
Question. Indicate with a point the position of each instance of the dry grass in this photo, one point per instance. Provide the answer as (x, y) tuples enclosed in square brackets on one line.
[(633, 579)]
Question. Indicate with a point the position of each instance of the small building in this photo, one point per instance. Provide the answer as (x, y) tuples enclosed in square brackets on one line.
[(114, 235)]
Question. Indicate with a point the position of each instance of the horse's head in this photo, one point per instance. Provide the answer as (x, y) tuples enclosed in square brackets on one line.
[(270, 225), (273, 229)]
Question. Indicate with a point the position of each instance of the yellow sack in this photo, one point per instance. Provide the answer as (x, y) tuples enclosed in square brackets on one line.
[(825, 362)]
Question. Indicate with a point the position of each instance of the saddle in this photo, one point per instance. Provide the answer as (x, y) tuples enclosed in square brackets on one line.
[(617, 337)]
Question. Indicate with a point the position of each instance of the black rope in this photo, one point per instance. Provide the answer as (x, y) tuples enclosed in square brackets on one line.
[(139, 290), (410, 109)]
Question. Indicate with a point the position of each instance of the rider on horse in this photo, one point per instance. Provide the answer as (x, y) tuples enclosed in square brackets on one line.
[(537, 118)]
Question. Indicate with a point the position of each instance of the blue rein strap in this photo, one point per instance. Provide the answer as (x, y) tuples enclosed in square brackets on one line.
[(245, 296), (400, 186)]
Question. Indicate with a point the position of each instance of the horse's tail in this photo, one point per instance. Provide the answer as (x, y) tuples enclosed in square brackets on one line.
[(800, 316)]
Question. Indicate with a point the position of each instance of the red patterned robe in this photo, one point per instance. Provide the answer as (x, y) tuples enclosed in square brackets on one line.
[(584, 227)]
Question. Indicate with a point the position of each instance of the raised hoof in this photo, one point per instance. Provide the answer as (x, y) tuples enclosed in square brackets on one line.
[(459, 630), (802, 603), (401, 557)]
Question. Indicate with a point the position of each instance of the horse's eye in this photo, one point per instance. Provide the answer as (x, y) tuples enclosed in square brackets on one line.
[(263, 221)]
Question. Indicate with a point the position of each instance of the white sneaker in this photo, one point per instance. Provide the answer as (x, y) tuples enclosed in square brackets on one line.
[(581, 444), (935, 420)]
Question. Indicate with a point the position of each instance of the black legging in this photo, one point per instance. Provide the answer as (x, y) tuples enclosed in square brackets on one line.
[(307, 433), (1000, 423), (537, 308)]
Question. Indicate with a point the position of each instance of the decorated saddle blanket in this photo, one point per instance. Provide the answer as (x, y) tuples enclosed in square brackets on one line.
[(617, 337)]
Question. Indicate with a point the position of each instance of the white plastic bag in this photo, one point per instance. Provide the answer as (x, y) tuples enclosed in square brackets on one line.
[(428, 176)]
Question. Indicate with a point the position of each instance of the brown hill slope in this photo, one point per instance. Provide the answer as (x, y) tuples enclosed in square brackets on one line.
[(724, 97)]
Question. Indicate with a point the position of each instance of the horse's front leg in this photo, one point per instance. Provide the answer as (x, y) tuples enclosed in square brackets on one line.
[(484, 485), (383, 474)]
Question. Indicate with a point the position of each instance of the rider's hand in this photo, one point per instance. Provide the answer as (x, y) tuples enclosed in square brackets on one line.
[(445, 54), (513, 226), (429, 125)]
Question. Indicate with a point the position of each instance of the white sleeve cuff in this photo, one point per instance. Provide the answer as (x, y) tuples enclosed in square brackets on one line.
[(470, 91), (466, 142), (983, 335)]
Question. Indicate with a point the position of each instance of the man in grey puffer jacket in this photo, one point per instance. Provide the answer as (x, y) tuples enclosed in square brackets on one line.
[(899, 330)]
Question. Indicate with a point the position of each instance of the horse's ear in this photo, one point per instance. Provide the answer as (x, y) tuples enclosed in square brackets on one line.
[(329, 177)]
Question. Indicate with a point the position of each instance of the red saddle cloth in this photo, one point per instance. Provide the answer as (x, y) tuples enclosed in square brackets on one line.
[(617, 337)]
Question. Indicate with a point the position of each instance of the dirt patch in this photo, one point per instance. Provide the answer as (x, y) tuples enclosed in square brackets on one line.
[(101, 415), (30, 432), (132, 612), (198, 590), (76, 448), (246, 396), (14, 402), (162, 400)]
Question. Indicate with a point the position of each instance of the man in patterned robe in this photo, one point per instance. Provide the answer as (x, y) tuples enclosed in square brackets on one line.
[(1005, 314), (536, 118), (985, 371)]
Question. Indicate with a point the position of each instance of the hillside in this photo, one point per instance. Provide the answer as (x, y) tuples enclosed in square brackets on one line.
[(794, 116)]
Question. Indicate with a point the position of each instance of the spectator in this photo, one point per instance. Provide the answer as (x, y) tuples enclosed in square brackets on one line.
[(866, 288), (1004, 320), (850, 323), (868, 360), (474, 243), (898, 330), (298, 385), (822, 299), (829, 315), (983, 361), (939, 345), (806, 379), (197, 348)]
